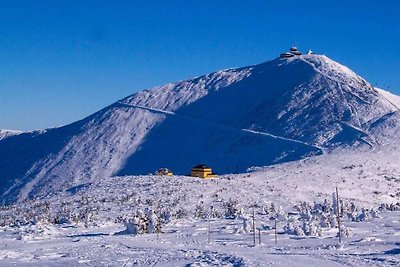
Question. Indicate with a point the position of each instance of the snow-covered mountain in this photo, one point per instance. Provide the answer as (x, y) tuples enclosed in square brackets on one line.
[(277, 111)]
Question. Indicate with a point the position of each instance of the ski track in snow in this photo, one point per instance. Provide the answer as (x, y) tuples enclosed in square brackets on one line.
[(391, 98), (220, 125), (344, 83)]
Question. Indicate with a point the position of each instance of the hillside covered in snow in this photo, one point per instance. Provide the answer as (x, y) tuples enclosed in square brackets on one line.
[(185, 221), (278, 111)]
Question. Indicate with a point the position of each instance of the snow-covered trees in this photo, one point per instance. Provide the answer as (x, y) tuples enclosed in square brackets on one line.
[(231, 209), (140, 213)]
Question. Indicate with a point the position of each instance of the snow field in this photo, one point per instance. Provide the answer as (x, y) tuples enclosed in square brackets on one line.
[(185, 243), (85, 224)]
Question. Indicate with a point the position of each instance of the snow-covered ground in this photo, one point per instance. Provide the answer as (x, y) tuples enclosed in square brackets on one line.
[(186, 243), (209, 222)]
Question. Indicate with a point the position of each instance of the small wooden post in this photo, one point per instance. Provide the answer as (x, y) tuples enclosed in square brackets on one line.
[(338, 214), (208, 233), (158, 228), (276, 232), (158, 224), (209, 226), (254, 228)]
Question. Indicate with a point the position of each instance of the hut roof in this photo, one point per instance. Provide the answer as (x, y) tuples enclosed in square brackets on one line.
[(164, 170), (201, 166)]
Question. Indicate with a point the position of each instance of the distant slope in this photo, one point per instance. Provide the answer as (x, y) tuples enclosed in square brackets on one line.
[(180, 143), (386, 129), (7, 133), (394, 99), (277, 111)]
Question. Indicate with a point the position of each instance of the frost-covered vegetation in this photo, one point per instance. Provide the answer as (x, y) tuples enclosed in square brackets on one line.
[(149, 218), (141, 216)]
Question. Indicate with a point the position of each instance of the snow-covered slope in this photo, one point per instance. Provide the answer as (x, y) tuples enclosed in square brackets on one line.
[(395, 99), (386, 129), (277, 111), (7, 133), (208, 222)]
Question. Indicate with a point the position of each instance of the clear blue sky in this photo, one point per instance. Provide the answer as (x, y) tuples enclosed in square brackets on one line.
[(62, 60)]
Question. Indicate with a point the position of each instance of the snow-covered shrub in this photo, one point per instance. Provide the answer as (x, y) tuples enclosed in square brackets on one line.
[(352, 215), (315, 229), (289, 229), (281, 215), (390, 207), (305, 214), (345, 231), (131, 227), (152, 221), (311, 229), (333, 220), (318, 207), (141, 221), (245, 227), (272, 208), (231, 209), (165, 216), (199, 211), (180, 213), (324, 221), (364, 216), (375, 213), (298, 231)]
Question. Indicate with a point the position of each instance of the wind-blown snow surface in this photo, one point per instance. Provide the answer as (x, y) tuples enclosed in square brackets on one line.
[(278, 111)]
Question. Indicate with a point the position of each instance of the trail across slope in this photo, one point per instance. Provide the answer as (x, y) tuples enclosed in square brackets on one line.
[(218, 124)]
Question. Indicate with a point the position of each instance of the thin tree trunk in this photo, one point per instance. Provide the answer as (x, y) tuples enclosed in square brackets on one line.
[(338, 214), (254, 228), (276, 233)]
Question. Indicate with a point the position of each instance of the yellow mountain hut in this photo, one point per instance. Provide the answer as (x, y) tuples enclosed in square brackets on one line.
[(203, 171)]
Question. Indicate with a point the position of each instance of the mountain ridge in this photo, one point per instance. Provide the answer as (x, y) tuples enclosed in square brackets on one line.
[(234, 119)]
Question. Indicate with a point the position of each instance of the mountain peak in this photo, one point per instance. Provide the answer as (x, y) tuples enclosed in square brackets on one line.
[(326, 66), (281, 110)]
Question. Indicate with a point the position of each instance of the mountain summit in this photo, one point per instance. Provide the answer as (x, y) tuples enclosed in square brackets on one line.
[(282, 110)]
